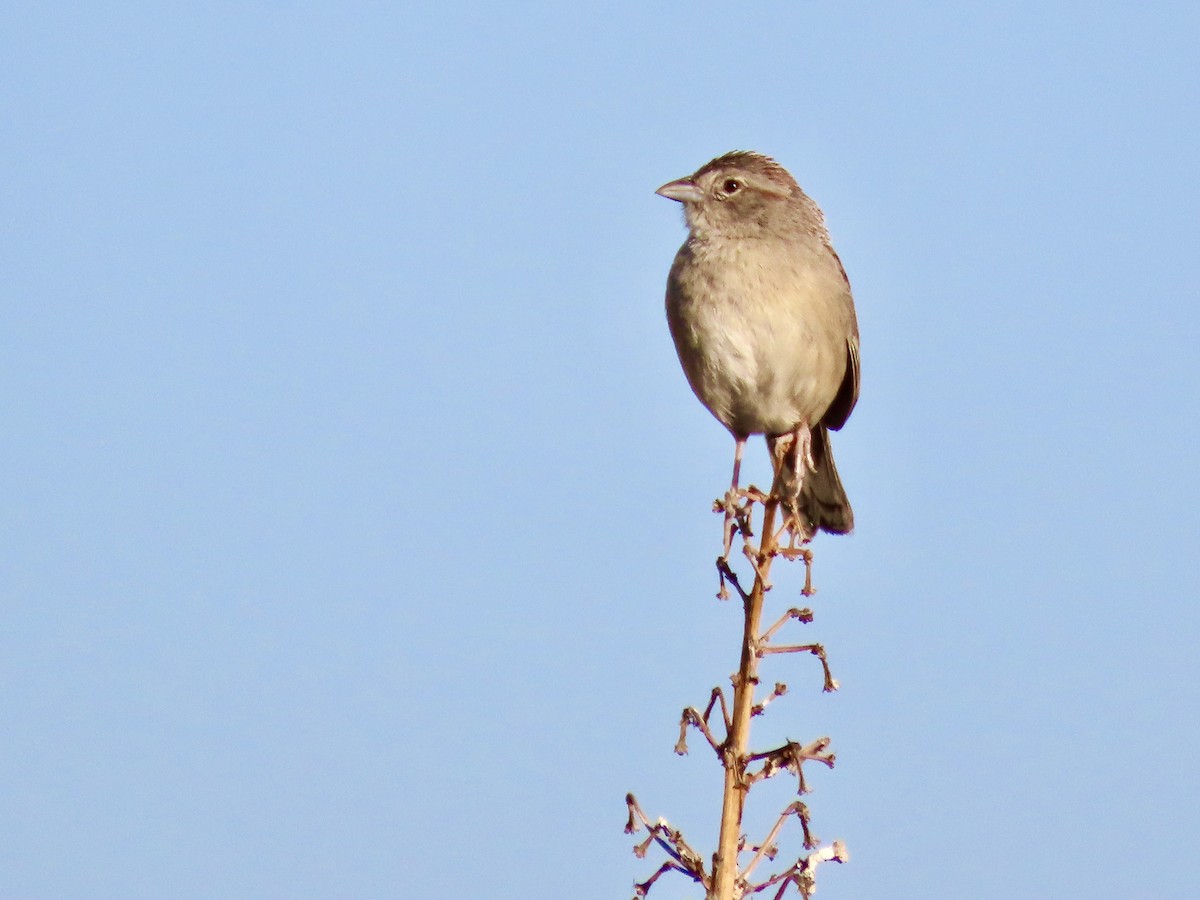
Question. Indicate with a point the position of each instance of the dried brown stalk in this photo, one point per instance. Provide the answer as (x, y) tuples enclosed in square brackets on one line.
[(742, 768)]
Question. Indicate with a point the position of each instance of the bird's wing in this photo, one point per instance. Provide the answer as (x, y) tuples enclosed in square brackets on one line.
[(847, 396)]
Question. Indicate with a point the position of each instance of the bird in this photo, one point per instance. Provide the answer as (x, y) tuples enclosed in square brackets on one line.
[(762, 316)]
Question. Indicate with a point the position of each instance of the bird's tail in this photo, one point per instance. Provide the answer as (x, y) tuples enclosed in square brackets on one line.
[(822, 503)]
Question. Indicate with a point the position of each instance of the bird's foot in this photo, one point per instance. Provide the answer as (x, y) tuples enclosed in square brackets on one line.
[(781, 446), (804, 445), (798, 443)]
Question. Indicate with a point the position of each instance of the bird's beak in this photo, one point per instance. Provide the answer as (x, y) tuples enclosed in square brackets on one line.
[(684, 190)]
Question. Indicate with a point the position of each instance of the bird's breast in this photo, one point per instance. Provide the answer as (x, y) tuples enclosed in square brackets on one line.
[(760, 340)]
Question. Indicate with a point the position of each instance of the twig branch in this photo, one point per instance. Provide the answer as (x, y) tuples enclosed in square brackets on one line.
[(718, 696), (743, 769), (692, 717), (831, 683), (803, 616), (769, 843), (790, 758), (803, 874), (791, 552), (729, 576), (683, 857), (642, 888), (761, 705)]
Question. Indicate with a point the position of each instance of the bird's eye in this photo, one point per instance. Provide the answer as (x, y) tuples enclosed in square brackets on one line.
[(732, 186)]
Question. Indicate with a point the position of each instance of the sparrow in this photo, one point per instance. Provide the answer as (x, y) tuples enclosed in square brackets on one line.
[(761, 313)]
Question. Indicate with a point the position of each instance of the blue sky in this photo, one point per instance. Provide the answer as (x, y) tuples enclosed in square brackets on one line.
[(355, 539)]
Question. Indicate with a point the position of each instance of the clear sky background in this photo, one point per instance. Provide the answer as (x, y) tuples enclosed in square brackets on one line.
[(355, 537)]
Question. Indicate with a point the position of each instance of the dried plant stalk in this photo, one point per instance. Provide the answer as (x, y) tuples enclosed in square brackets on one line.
[(728, 881), (737, 749)]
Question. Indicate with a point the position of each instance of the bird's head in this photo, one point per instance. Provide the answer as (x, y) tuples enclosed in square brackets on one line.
[(740, 194)]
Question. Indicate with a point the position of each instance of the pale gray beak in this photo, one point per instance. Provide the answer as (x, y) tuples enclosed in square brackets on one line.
[(684, 190)]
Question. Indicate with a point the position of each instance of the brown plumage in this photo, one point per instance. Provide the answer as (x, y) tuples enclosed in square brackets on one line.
[(763, 320)]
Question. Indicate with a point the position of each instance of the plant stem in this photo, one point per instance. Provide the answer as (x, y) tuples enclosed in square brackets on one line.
[(737, 746)]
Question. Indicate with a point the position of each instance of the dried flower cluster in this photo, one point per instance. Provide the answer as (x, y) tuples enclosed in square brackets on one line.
[(725, 726)]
